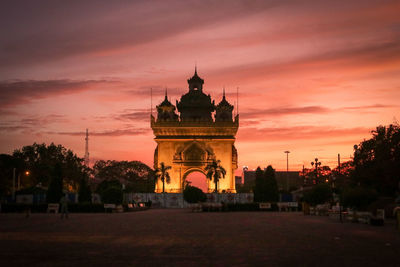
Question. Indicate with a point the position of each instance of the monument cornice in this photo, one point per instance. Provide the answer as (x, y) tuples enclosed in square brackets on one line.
[(193, 129)]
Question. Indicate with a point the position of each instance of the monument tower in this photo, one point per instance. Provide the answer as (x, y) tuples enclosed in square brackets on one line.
[(201, 132)]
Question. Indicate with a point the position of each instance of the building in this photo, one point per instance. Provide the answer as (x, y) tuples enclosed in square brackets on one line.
[(290, 180), (200, 133)]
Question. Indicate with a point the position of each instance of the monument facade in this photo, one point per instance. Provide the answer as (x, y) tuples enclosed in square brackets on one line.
[(193, 133)]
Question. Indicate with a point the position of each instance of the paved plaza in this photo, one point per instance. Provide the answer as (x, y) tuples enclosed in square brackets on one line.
[(182, 238)]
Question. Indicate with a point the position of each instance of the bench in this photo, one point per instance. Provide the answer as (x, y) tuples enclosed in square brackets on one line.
[(53, 207), (207, 206), (109, 207), (264, 206), (196, 207)]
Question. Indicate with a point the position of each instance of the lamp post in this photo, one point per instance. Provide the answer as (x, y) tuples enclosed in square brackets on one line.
[(317, 163), (287, 170), (18, 182), (13, 185)]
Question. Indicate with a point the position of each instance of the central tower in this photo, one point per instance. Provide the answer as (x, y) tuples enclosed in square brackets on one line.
[(200, 133)]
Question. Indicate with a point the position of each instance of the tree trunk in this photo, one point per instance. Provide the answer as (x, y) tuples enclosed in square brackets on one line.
[(216, 186), (163, 186)]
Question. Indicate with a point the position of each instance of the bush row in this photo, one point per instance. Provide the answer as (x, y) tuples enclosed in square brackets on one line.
[(42, 208), (240, 207), (247, 207)]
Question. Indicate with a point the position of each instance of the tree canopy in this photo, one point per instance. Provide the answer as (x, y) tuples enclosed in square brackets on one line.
[(163, 174), (215, 172), (266, 187), (35, 164), (377, 161), (192, 194), (134, 175)]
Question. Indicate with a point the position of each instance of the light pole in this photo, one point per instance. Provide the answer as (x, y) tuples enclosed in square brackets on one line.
[(13, 185), (18, 182), (317, 163), (287, 170)]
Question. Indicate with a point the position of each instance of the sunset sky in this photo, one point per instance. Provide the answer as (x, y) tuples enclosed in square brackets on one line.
[(315, 77)]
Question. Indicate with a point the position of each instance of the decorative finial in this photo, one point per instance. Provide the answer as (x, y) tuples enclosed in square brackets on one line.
[(223, 96), (166, 93)]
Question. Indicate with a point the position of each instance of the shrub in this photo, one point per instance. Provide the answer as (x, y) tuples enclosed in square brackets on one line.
[(55, 191), (110, 191), (84, 194), (318, 195), (112, 195), (192, 194), (359, 197), (248, 207), (42, 208), (85, 207)]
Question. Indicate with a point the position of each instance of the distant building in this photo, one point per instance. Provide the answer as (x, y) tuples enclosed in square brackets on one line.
[(292, 178), (238, 180)]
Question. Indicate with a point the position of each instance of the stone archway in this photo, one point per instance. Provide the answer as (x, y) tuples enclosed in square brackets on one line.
[(198, 178)]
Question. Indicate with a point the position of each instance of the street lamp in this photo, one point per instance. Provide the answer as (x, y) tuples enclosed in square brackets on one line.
[(317, 163), (287, 170), (18, 182)]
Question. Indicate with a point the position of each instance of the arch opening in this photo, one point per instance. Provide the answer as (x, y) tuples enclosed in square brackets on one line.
[(198, 179)]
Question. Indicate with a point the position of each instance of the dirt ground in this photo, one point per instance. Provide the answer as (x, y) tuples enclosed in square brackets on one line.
[(182, 238)]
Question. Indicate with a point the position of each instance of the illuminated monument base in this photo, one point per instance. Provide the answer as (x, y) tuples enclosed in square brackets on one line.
[(189, 147)]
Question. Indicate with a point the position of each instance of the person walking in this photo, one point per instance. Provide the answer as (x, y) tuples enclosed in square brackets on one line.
[(64, 206)]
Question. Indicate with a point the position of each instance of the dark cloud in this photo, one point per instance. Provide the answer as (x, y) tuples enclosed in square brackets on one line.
[(157, 91), (350, 57), (298, 133), (12, 128), (133, 115), (44, 32), (31, 124), (259, 113), (115, 132), (24, 91), (283, 111), (376, 106)]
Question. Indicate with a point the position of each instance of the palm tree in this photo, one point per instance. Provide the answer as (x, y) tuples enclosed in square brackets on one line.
[(214, 172), (163, 175)]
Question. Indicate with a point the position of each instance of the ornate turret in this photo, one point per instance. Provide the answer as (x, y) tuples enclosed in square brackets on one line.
[(195, 105), (166, 111), (195, 82), (224, 110)]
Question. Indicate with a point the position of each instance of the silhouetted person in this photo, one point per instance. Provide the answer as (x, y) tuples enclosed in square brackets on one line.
[(64, 206)]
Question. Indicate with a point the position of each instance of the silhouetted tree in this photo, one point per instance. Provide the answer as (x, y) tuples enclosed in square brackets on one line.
[(377, 161), (359, 197), (260, 186), (110, 191), (319, 194), (266, 186), (7, 165), (214, 172), (40, 160), (163, 175), (135, 175), (84, 194), (271, 185), (55, 190), (192, 194)]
